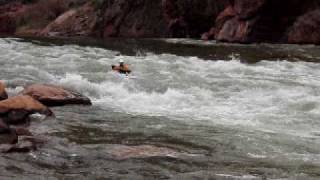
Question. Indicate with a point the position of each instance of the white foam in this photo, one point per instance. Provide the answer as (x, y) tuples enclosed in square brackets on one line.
[(268, 96)]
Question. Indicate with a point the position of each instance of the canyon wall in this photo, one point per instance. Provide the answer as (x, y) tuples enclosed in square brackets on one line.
[(241, 21)]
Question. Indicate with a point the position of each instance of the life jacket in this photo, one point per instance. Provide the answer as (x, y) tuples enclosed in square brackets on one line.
[(122, 69)]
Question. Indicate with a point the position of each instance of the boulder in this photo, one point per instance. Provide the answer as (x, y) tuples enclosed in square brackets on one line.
[(306, 29), (3, 93), (54, 95), (16, 110)]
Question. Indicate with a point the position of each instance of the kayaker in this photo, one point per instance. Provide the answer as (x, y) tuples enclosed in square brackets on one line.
[(122, 68)]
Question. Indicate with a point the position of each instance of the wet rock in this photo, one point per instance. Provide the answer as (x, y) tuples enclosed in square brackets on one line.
[(142, 151), (25, 144), (306, 29), (54, 95), (7, 135), (75, 22), (3, 93), (4, 128), (16, 110), (21, 131)]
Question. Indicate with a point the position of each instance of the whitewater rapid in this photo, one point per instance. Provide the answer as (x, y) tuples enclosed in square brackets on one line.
[(278, 97)]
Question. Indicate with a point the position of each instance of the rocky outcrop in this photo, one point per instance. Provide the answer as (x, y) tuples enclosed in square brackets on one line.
[(10, 13), (243, 21), (191, 18), (261, 20), (3, 93), (306, 29), (235, 23), (132, 18), (75, 22), (16, 110), (14, 114), (54, 95)]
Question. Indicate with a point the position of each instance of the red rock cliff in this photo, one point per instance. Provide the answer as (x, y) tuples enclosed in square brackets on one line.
[(244, 21)]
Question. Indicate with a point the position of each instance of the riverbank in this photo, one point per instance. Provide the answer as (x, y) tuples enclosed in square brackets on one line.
[(235, 21)]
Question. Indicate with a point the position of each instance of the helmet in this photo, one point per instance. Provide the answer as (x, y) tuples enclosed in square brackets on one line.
[(121, 61)]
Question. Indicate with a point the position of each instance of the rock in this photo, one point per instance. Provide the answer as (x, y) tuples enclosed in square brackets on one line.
[(191, 18), (75, 22), (25, 144), (7, 135), (54, 95), (142, 151), (248, 21), (3, 93), (244, 21), (235, 30), (236, 22), (21, 131), (10, 14), (4, 128), (306, 29), (246, 9), (16, 110), (209, 35), (132, 18), (8, 138)]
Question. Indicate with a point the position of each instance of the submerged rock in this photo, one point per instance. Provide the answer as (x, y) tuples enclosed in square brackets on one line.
[(25, 144), (54, 95), (3, 93), (16, 110), (7, 135), (142, 151)]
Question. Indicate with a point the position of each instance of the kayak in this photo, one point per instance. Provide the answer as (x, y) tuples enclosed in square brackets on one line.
[(125, 76)]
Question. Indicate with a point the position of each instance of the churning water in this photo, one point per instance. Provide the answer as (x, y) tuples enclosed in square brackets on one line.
[(229, 119)]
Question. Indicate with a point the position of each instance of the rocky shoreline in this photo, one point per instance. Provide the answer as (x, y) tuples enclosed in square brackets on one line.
[(16, 113), (235, 21)]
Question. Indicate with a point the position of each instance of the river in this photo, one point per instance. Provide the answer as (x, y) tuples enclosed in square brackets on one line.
[(209, 110)]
